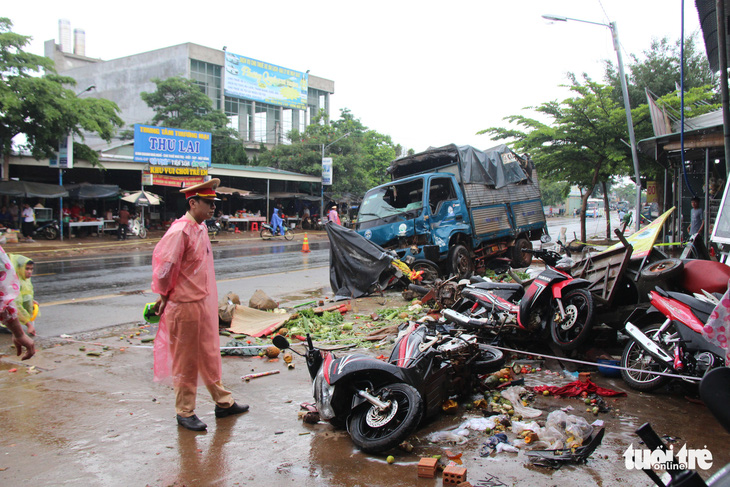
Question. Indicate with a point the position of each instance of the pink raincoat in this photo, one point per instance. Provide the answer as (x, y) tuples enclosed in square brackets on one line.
[(187, 346), (9, 289)]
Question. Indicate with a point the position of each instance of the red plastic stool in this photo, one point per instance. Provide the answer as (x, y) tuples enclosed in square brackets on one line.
[(254, 226)]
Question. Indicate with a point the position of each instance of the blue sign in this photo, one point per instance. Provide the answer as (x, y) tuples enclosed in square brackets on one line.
[(162, 146), (268, 83)]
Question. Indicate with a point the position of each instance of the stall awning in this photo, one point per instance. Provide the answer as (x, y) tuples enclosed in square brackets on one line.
[(24, 189), (227, 190), (84, 191)]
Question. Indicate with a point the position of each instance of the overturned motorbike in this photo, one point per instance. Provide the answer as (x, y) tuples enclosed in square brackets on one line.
[(382, 403), (554, 300), (668, 339)]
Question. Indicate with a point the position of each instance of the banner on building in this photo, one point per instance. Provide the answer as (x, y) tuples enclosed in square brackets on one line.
[(268, 83), (651, 196), (150, 178), (326, 171), (162, 146)]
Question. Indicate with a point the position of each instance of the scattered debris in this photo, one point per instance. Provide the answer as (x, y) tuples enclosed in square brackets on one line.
[(259, 374)]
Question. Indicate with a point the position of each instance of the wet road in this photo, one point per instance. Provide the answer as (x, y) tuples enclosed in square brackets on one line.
[(80, 295)]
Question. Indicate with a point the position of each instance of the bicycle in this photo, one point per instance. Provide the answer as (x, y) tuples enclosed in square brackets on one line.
[(267, 232)]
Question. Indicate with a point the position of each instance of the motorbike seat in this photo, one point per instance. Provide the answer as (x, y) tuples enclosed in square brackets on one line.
[(701, 308), (503, 286), (705, 274)]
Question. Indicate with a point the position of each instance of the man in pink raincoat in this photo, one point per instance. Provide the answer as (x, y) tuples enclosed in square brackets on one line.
[(187, 345)]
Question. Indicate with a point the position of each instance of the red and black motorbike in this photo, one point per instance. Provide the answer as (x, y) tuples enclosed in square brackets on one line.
[(382, 403), (554, 300), (668, 339)]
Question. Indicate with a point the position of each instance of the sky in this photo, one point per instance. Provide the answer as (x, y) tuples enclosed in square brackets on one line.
[(426, 73)]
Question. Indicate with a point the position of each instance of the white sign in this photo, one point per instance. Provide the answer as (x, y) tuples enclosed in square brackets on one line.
[(327, 171), (65, 154)]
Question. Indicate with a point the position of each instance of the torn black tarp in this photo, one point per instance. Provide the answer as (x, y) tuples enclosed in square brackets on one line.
[(497, 167), (356, 263)]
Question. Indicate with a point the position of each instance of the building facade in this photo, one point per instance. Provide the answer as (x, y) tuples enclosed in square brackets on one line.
[(258, 122)]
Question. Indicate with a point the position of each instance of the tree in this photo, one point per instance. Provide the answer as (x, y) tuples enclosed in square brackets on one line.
[(659, 71), (360, 155), (180, 103), (554, 192), (35, 101), (582, 144)]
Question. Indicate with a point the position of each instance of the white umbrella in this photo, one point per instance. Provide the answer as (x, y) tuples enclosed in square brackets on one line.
[(143, 198)]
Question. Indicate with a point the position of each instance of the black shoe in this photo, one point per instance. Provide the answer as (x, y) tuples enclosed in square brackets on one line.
[(235, 409), (192, 423)]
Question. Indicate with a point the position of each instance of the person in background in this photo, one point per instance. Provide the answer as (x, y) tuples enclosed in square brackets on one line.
[(123, 223), (13, 210), (5, 217), (333, 216), (28, 216), (9, 290), (187, 345), (696, 217), (25, 302), (277, 223)]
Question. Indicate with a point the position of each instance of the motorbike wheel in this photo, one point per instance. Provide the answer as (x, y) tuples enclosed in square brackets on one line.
[(573, 331), (662, 270), (519, 258), (50, 233), (490, 360), (430, 270), (142, 232), (288, 234), (266, 234), (460, 261), (635, 357), (375, 431)]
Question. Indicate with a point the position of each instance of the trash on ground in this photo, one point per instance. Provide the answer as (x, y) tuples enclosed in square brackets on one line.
[(576, 388), (259, 374)]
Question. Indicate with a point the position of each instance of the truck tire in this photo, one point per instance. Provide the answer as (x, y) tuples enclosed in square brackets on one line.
[(460, 262), (519, 258)]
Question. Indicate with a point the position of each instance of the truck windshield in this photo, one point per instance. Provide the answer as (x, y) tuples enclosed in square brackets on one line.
[(396, 199)]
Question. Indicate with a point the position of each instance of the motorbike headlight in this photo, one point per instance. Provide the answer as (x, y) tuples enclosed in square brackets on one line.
[(322, 393)]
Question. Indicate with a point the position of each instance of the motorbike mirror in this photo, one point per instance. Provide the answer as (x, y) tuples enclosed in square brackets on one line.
[(280, 342)]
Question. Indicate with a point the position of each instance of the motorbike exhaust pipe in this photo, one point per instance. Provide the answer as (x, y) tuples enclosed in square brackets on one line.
[(647, 344), (460, 319)]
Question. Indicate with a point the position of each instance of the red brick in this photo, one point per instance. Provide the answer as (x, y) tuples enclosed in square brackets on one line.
[(427, 468), (454, 475)]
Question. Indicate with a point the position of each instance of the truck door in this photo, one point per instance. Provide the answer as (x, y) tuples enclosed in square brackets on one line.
[(443, 203)]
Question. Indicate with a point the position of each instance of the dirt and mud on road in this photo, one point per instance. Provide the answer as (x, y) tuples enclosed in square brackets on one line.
[(86, 411)]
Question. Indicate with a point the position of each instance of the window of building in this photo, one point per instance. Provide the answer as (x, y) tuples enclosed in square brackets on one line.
[(208, 77)]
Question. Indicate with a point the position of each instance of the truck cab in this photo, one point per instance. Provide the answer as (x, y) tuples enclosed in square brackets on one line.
[(435, 215)]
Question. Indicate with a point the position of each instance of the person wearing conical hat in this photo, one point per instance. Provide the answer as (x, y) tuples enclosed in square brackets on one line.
[(187, 345)]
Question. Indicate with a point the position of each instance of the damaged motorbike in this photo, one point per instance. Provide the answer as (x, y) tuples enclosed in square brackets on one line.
[(382, 403), (553, 301), (670, 340)]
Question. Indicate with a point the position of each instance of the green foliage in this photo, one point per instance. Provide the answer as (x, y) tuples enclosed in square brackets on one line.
[(659, 70), (554, 192), (359, 155), (35, 101), (180, 103), (581, 145)]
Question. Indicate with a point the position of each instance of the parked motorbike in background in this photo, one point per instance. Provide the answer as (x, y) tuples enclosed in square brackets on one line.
[(554, 300), (49, 230), (214, 226), (668, 339), (136, 228), (382, 403)]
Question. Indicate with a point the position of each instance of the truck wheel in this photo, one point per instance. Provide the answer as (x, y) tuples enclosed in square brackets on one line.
[(430, 271), (460, 262), (519, 258)]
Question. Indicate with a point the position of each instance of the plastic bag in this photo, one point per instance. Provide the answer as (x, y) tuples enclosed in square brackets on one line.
[(513, 395), (446, 437), (479, 424), (518, 427)]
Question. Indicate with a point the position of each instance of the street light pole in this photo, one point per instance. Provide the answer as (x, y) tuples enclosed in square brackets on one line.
[(321, 195), (627, 104)]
